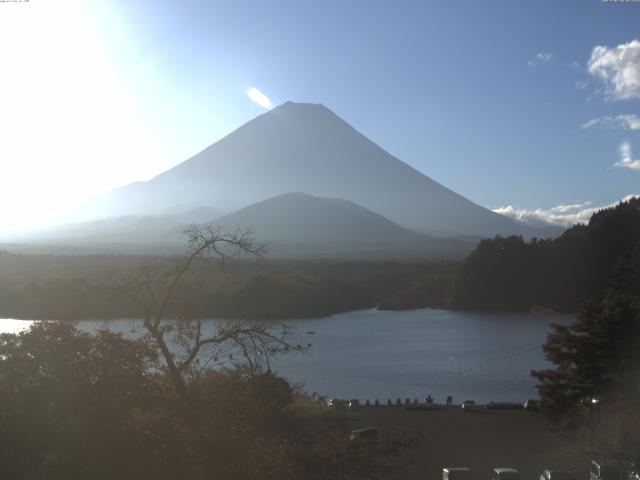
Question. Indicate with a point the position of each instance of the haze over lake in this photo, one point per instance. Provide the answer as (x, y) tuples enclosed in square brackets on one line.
[(382, 354)]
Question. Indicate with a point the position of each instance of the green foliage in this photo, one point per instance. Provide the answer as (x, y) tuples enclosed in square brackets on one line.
[(599, 355), (65, 403), (560, 274), (78, 406), (68, 287)]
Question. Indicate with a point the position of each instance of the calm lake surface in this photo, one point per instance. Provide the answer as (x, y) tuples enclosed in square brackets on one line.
[(376, 354)]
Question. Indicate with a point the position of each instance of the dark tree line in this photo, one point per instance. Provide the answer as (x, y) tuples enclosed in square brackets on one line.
[(49, 286), (594, 387), (559, 274), (598, 356)]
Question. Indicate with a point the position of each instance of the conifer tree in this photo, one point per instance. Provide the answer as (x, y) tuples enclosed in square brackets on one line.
[(598, 356)]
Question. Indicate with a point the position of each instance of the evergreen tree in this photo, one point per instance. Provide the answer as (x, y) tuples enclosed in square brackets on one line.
[(598, 356)]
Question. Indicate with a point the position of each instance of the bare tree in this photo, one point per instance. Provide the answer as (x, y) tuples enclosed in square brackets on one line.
[(185, 343)]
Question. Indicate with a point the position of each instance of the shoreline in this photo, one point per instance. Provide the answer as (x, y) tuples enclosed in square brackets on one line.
[(342, 312)]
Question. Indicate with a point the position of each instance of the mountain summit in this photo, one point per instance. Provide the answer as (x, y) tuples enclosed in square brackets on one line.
[(307, 148)]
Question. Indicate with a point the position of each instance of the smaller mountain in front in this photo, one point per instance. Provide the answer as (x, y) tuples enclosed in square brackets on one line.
[(297, 224)]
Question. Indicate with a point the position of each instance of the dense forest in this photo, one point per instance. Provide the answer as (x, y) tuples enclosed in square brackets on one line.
[(596, 368), (598, 355), (554, 274), (72, 287)]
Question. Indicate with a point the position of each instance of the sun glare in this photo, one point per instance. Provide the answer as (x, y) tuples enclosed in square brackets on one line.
[(66, 120)]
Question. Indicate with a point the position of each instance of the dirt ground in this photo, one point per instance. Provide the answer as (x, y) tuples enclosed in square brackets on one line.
[(479, 440)]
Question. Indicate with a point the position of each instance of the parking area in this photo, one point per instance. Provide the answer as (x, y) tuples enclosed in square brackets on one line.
[(480, 440)]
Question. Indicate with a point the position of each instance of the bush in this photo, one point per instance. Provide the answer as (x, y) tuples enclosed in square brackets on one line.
[(78, 406)]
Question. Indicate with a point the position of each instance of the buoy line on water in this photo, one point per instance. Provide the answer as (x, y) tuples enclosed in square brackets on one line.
[(497, 361)]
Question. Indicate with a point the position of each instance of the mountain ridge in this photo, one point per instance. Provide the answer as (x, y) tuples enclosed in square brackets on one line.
[(297, 224), (308, 148)]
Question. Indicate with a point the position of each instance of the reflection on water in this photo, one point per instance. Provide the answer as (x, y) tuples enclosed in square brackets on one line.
[(11, 325), (374, 354)]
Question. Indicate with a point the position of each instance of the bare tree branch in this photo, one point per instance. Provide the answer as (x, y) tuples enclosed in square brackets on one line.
[(154, 292)]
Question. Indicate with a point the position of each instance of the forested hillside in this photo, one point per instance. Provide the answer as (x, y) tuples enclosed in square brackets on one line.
[(73, 287), (559, 274)]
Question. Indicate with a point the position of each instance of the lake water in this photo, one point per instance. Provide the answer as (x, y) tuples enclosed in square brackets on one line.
[(377, 354)]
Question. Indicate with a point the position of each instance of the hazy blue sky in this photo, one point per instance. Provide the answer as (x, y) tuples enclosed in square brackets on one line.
[(505, 102)]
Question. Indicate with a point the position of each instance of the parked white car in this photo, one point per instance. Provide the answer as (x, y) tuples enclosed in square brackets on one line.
[(504, 473), (469, 405), (604, 471), (557, 475), (456, 473)]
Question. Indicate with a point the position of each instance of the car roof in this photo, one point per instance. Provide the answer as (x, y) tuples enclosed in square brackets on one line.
[(456, 469), (505, 470), (560, 473)]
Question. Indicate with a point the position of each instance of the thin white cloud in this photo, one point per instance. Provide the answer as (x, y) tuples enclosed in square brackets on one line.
[(542, 57), (256, 96), (626, 158), (561, 215), (571, 208), (618, 68), (629, 121)]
